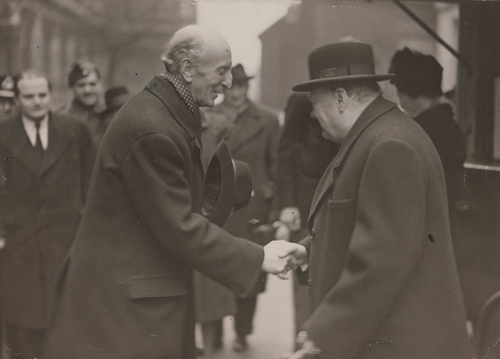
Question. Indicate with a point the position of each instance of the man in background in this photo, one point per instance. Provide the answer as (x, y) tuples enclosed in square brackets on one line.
[(252, 135), (85, 82), (45, 171), (418, 83)]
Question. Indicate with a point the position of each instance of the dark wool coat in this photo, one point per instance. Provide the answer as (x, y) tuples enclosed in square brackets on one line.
[(449, 141), (126, 287), (39, 211), (254, 140), (381, 268)]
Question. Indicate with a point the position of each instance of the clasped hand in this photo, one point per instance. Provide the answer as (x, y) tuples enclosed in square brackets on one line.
[(281, 256)]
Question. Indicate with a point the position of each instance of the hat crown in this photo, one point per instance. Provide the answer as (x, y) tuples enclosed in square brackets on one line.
[(341, 59), (239, 75)]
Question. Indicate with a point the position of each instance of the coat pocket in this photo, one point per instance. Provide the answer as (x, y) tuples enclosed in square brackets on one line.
[(155, 288), (340, 203)]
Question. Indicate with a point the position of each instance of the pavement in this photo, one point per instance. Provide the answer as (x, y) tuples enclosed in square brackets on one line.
[(274, 330)]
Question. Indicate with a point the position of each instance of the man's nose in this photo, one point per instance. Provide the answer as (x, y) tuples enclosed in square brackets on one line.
[(228, 81), (37, 100)]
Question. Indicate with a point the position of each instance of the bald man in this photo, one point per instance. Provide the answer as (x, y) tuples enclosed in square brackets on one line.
[(125, 289)]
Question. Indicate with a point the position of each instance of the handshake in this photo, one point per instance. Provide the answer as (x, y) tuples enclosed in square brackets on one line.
[(281, 256)]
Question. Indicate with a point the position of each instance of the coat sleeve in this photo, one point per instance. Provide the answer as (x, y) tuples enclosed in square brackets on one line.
[(153, 173), (385, 247)]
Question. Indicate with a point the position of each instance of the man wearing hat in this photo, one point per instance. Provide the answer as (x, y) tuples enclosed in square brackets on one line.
[(7, 105), (380, 267), (84, 79), (252, 135)]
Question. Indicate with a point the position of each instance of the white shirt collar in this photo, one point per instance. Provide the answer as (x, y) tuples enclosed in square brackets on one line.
[(30, 128)]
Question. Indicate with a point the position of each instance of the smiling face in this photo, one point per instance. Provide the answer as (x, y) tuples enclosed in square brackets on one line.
[(33, 97), (86, 89), (212, 74)]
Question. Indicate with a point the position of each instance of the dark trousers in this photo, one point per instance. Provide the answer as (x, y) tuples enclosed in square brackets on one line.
[(243, 320), (212, 334), (24, 343)]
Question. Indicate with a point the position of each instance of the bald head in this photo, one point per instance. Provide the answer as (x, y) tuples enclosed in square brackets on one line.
[(201, 58), (196, 43)]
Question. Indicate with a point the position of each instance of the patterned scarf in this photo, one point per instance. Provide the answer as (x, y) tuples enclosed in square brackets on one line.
[(185, 94)]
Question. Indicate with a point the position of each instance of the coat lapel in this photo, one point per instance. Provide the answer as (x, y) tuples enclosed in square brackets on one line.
[(324, 184), (378, 107), (167, 94), (16, 141), (249, 125), (58, 142), (171, 99)]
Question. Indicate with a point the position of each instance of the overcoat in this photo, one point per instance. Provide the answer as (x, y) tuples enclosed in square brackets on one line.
[(254, 140), (40, 208), (381, 267), (125, 290)]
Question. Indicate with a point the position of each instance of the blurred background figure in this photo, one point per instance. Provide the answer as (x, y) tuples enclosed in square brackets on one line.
[(252, 134), (302, 159), (87, 104), (45, 182), (115, 98), (418, 83), (7, 105)]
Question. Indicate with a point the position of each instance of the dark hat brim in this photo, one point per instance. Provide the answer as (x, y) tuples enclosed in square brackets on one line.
[(227, 185), (312, 84), (242, 79)]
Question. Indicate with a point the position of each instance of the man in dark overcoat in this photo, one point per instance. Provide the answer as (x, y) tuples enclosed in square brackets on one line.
[(380, 260), (252, 137), (44, 176), (125, 290)]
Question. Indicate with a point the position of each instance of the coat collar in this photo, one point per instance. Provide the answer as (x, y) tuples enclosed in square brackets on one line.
[(377, 108), (171, 99), (250, 124), (58, 142)]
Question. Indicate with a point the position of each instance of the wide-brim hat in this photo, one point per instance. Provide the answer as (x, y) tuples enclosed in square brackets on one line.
[(227, 185), (343, 61), (239, 74)]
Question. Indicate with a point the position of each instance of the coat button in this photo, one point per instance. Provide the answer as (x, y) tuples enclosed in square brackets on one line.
[(309, 284), (312, 233)]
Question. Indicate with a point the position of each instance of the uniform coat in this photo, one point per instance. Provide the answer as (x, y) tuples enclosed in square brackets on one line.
[(381, 267), (126, 286), (40, 208)]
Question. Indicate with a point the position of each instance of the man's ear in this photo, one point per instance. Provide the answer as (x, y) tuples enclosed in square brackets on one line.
[(187, 69), (340, 97)]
